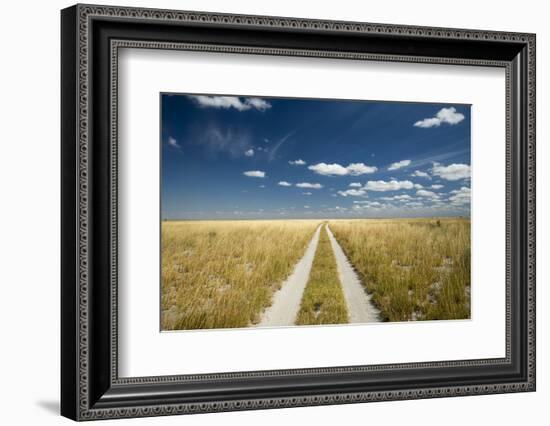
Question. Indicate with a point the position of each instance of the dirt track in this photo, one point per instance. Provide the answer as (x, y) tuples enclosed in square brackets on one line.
[(360, 307), (286, 301)]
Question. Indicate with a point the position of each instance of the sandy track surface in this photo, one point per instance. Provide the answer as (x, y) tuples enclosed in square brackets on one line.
[(360, 307), (286, 301)]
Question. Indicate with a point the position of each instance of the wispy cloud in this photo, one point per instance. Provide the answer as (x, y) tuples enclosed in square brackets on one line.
[(399, 164), (451, 172), (284, 183), (352, 169), (444, 115), (173, 142), (307, 193), (216, 139), (254, 173), (249, 153), (298, 162), (428, 158), (227, 102), (309, 185), (278, 144)]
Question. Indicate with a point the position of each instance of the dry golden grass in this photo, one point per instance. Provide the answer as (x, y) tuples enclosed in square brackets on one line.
[(323, 300), (416, 269), (221, 274)]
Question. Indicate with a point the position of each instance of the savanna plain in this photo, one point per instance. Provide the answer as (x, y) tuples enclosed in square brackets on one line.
[(232, 274)]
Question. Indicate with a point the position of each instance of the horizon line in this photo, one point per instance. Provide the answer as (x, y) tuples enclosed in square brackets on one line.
[(313, 218)]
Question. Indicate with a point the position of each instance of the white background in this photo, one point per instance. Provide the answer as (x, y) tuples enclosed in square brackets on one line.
[(29, 225), (146, 352)]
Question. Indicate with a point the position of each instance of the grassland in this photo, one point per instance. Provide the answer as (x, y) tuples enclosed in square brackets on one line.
[(416, 269), (323, 300), (221, 274)]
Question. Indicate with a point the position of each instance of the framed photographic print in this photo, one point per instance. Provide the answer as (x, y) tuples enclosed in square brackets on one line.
[(263, 212)]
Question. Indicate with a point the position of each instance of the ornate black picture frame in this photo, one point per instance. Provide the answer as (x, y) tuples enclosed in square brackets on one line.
[(91, 37)]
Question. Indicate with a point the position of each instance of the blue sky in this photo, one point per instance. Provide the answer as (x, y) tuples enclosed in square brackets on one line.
[(246, 157)]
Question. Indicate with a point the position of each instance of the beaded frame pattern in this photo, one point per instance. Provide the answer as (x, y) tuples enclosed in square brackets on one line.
[(86, 12)]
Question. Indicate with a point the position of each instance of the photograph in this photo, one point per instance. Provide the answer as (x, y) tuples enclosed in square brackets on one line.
[(294, 211), (263, 209)]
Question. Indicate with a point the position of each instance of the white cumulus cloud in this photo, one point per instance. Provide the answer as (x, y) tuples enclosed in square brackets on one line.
[(309, 185), (258, 103), (284, 183), (403, 197), (353, 193), (460, 196), (399, 164), (392, 185), (227, 102), (452, 171), (426, 194), (355, 185), (254, 173), (444, 115), (249, 153), (352, 169), (298, 162), (329, 169), (356, 169), (437, 186), (418, 173), (368, 205)]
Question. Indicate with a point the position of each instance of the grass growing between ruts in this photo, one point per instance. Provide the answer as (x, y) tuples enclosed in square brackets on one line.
[(221, 274), (323, 300), (416, 269)]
